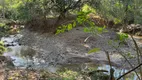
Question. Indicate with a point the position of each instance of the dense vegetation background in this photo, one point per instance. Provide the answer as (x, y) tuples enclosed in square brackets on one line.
[(124, 11), (58, 16), (58, 12)]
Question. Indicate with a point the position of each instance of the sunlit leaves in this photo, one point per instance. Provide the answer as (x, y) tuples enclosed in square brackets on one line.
[(74, 24), (68, 74), (63, 28), (69, 26), (2, 48), (100, 29), (95, 30), (122, 36), (118, 4), (86, 29), (116, 20), (94, 50), (87, 8), (16, 4), (1, 43), (81, 19), (2, 24)]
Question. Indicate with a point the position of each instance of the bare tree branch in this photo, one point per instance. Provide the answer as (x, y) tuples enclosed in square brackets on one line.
[(129, 71)]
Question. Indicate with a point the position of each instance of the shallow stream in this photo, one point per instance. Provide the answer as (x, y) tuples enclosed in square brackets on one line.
[(23, 57)]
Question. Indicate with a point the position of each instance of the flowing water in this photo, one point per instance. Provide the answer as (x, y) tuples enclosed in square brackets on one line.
[(93, 67)]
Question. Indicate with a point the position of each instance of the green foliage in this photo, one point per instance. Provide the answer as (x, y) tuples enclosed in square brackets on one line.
[(2, 48), (4, 29), (63, 28), (99, 76), (94, 50), (81, 19), (95, 30), (122, 36), (28, 9), (23, 9), (117, 21), (129, 55), (69, 75), (116, 10), (2, 24), (122, 11), (9, 9), (87, 8)]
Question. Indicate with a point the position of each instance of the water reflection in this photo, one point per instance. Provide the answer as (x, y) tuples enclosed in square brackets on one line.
[(119, 72), (24, 57), (93, 67), (21, 55)]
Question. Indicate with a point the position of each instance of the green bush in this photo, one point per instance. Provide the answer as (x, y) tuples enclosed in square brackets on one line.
[(2, 48), (4, 29), (122, 11), (82, 19)]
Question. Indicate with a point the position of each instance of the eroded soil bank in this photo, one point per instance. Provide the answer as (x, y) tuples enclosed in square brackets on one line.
[(70, 48)]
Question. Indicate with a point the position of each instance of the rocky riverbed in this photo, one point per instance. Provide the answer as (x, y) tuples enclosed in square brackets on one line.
[(70, 48)]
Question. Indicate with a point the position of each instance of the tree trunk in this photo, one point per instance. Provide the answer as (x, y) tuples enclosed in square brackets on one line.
[(62, 15)]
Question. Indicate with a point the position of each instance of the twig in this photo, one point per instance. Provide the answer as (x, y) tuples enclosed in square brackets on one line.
[(129, 71), (87, 38), (120, 52), (111, 69), (139, 54)]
